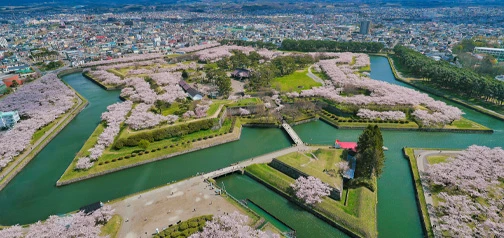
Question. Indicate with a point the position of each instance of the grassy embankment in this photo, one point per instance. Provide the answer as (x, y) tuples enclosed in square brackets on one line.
[(357, 216), (325, 160), (295, 82), (427, 227)]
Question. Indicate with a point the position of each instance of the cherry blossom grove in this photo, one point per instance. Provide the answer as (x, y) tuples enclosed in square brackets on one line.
[(132, 58), (220, 52), (198, 47), (233, 225), (200, 110), (106, 77), (471, 201), (78, 224), (310, 189), (142, 118), (387, 115), (115, 115), (344, 76), (40, 102), (139, 91)]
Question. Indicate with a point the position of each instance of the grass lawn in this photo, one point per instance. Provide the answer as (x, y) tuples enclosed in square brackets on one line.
[(358, 216), (172, 109), (246, 102), (294, 82), (112, 159), (466, 124), (327, 160), (410, 155), (436, 159), (215, 106), (112, 227)]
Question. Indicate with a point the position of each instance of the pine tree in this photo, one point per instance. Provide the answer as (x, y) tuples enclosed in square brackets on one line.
[(370, 157)]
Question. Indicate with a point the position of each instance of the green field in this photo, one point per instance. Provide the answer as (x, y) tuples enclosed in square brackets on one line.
[(466, 124), (112, 227), (295, 82), (357, 216), (324, 166), (436, 159)]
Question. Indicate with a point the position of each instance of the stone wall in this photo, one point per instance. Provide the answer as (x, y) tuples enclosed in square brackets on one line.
[(295, 174)]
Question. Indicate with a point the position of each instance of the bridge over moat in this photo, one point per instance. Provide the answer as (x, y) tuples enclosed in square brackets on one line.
[(293, 135)]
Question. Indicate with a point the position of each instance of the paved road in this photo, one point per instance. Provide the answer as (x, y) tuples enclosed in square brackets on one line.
[(315, 77)]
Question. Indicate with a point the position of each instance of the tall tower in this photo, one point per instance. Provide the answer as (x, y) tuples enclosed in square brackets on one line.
[(365, 27)]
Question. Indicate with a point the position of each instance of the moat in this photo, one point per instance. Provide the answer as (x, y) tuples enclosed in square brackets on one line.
[(32, 194)]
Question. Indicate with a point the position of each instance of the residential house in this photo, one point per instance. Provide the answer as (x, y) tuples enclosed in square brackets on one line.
[(193, 93)]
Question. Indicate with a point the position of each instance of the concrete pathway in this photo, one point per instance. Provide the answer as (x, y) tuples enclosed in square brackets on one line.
[(292, 133), (315, 77)]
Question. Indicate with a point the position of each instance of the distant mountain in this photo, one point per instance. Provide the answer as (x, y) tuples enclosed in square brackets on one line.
[(410, 3)]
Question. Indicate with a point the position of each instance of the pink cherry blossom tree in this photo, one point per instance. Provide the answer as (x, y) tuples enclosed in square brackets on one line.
[(38, 103), (15, 231), (310, 189), (470, 204)]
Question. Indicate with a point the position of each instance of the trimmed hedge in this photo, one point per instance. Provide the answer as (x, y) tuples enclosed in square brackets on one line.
[(185, 228), (165, 133)]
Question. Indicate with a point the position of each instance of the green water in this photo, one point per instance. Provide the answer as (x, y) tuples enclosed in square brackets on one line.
[(269, 218), (305, 224), (32, 194)]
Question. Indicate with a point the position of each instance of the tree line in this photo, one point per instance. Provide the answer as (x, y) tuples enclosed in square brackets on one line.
[(330, 46), (447, 76)]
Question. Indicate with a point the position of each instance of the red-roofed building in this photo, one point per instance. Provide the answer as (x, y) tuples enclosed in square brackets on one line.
[(346, 145), (8, 81)]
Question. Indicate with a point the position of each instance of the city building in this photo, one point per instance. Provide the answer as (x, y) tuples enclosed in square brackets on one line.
[(3, 42), (365, 27), (8, 119), (496, 52)]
